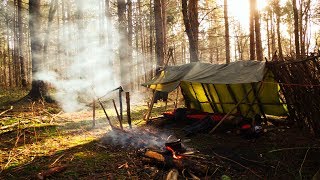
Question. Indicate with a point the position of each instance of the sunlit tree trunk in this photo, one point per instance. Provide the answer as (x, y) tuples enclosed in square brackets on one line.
[(52, 11), (21, 46), (159, 18), (268, 39), (272, 33), (151, 37), (251, 29), (259, 50), (226, 26), (190, 19), (279, 37), (130, 36)]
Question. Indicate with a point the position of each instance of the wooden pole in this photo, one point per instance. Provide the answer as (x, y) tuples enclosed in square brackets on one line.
[(150, 106), (227, 115), (118, 116), (94, 113), (120, 104), (105, 112), (128, 109)]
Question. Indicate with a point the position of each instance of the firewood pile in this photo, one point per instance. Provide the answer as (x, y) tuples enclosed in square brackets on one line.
[(299, 81)]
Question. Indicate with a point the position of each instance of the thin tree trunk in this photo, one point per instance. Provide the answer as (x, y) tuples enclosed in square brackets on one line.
[(296, 28), (130, 35), (268, 40), (259, 50), (279, 38), (52, 11), (21, 47), (251, 20), (273, 39), (226, 27)]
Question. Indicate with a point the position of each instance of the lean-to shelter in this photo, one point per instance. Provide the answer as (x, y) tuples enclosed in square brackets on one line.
[(244, 87)]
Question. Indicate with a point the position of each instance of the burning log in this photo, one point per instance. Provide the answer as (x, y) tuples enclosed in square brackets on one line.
[(178, 161)]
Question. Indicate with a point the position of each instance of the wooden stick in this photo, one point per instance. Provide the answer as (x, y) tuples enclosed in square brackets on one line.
[(3, 112), (128, 109), (227, 115), (304, 159), (120, 104), (105, 112), (93, 113), (293, 148), (115, 108)]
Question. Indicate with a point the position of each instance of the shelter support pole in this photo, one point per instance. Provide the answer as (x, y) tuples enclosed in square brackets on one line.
[(233, 96), (247, 99), (214, 109), (256, 94), (176, 100), (150, 106), (219, 98), (228, 114)]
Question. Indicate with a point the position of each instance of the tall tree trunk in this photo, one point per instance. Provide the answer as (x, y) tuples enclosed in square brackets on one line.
[(273, 39), (38, 89), (190, 19), (259, 50), (130, 35), (151, 35), (268, 40), (296, 28), (21, 47), (123, 43), (279, 37), (159, 18), (52, 11), (226, 27), (251, 29)]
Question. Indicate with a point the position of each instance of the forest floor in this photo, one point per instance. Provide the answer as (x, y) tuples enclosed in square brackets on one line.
[(39, 140)]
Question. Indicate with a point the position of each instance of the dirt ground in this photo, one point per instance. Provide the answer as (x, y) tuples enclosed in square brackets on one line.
[(45, 140)]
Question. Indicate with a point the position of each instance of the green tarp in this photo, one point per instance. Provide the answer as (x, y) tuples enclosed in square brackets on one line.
[(219, 87)]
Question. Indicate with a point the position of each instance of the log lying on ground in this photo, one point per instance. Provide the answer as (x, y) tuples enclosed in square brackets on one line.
[(50, 172), (183, 163)]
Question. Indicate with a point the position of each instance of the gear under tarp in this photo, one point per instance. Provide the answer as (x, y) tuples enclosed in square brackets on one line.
[(217, 88)]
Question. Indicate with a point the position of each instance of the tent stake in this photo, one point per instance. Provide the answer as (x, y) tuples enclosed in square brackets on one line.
[(227, 115)]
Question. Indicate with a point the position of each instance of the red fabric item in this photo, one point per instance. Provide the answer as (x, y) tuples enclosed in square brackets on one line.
[(196, 116), (246, 126)]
